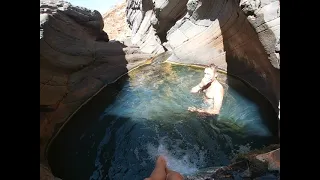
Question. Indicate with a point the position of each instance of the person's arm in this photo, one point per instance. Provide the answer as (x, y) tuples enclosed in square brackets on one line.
[(198, 87), (210, 110), (194, 109)]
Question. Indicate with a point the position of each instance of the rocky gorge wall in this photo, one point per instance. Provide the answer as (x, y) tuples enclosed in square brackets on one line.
[(242, 37), (76, 61)]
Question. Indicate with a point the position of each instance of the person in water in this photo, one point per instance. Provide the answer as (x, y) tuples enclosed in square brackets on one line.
[(213, 92), (162, 172)]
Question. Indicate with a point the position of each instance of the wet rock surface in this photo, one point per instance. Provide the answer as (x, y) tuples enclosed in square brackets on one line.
[(258, 165)]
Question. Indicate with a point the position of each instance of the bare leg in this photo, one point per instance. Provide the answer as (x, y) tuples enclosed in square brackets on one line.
[(159, 172), (172, 175)]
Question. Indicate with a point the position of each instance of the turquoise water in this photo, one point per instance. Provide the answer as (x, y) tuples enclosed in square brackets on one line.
[(121, 131)]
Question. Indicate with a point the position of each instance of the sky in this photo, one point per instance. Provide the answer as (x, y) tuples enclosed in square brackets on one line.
[(100, 5)]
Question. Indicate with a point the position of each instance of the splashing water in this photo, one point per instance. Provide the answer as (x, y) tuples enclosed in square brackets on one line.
[(122, 130), (185, 161)]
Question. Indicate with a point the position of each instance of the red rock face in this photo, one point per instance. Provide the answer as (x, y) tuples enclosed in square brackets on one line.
[(115, 22)]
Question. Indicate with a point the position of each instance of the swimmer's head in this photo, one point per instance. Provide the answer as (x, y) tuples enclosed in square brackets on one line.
[(210, 72)]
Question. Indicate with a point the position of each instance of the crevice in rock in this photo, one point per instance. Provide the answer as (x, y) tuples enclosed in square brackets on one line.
[(163, 26)]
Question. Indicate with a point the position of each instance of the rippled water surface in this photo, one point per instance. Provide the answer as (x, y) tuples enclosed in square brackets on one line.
[(118, 134)]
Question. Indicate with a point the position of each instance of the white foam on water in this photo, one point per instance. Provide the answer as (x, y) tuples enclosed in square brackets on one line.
[(186, 161)]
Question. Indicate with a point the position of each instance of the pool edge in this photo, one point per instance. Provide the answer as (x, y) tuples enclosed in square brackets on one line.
[(146, 62)]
